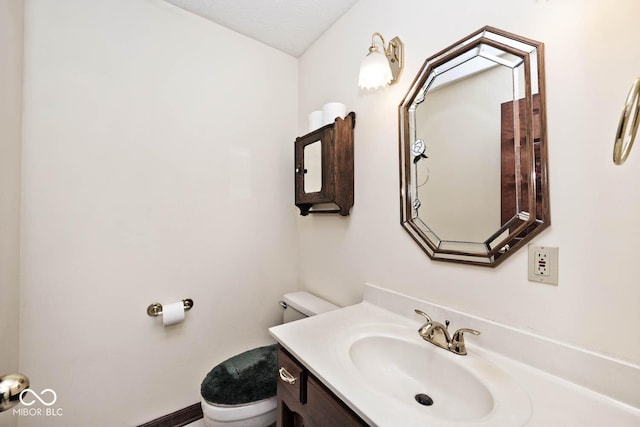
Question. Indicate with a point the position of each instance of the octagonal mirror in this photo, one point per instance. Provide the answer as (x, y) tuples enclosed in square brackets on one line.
[(473, 156)]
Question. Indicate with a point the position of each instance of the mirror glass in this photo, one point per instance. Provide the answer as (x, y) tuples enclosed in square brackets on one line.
[(313, 167), (472, 136)]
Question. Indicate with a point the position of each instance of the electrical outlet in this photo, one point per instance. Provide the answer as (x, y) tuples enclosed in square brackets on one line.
[(543, 264)]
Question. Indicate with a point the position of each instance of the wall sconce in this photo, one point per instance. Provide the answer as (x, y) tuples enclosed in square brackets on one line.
[(381, 68)]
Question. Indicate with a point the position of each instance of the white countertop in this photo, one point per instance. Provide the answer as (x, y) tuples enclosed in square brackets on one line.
[(318, 342)]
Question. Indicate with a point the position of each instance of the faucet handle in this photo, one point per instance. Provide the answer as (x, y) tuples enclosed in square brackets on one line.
[(424, 328), (457, 340), (425, 315)]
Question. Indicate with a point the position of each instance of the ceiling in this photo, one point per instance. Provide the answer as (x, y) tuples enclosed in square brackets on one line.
[(290, 26)]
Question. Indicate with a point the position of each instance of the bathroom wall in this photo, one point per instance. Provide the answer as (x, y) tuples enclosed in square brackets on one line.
[(591, 61), (157, 159), (11, 16)]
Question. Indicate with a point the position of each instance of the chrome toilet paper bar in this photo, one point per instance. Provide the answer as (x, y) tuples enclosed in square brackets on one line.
[(155, 309)]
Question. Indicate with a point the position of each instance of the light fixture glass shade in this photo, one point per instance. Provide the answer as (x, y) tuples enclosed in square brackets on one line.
[(375, 71)]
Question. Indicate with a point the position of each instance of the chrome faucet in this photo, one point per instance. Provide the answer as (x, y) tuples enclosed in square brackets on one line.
[(438, 334)]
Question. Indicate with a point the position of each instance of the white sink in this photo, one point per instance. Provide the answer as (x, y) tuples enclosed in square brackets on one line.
[(405, 369), (396, 363)]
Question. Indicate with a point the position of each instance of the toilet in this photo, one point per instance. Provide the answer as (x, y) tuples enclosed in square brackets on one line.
[(241, 391)]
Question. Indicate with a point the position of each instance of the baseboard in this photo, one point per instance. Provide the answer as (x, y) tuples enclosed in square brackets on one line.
[(178, 418)]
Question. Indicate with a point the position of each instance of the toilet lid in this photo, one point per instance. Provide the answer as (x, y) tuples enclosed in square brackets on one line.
[(244, 378)]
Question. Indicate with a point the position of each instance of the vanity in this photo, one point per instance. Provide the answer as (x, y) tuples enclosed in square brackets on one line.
[(304, 400), (366, 364)]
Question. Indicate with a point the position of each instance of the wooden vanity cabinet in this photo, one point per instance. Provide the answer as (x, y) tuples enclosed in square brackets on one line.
[(306, 402), (324, 168)]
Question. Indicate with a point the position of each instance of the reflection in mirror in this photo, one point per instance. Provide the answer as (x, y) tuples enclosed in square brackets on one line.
[(464, 194), (472, 135), (313, 167)]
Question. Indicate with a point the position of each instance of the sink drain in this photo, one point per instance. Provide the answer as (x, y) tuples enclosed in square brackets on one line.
[(424, 399)]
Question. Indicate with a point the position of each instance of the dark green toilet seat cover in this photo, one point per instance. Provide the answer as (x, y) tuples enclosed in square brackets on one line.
[(244, 378)]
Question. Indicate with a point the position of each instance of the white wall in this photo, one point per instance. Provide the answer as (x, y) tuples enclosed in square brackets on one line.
[(11, 16), (591, 61), (157, 161)]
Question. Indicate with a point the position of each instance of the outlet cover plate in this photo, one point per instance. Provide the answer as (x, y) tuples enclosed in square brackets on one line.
[(543, 264)]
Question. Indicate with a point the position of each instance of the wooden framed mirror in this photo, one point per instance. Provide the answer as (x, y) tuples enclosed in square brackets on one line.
[(473, 155)]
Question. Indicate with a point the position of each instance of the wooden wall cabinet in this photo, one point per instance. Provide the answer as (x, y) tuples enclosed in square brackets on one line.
[(307, 402), (324, 168)]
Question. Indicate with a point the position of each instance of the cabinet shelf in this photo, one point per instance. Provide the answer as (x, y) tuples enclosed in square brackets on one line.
[(324, 168)]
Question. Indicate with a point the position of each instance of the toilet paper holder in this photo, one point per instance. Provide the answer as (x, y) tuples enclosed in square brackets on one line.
[(155, 309)]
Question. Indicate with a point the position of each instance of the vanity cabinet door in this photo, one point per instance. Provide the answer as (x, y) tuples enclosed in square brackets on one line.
[(292, 378), (306, 402), (324, 409)]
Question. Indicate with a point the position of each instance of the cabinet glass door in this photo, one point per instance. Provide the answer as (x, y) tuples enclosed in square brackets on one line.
[(313, 167)]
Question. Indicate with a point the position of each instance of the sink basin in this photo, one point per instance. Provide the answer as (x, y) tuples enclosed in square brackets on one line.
[(404, 369), (437, 386)]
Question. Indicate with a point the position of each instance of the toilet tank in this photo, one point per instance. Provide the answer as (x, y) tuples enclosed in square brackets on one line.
[(298, 305)]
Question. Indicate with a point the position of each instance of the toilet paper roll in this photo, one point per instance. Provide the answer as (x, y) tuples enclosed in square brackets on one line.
[(332, 110), (315, 120), (172, 313)]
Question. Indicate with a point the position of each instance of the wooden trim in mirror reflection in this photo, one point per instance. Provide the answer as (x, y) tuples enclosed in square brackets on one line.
[(510, 198)]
